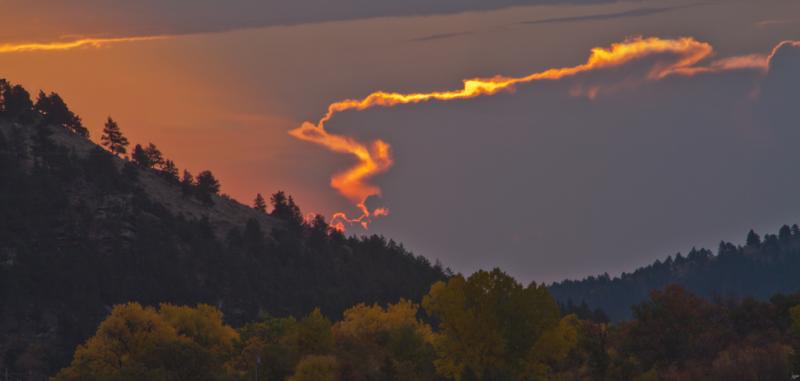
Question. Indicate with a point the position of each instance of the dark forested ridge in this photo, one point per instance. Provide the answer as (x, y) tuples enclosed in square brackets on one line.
[(83, 228), (760, 269)]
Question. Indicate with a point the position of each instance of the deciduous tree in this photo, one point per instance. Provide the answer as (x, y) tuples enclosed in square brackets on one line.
[(489, 324)]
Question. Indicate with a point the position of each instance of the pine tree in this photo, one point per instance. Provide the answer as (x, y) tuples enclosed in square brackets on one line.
[(155, 156), (207, 183), (753, 239), (259, 203), (113, 139), (139, 156), (17, 104), (170, 170), (187, 183), (54, 111), (283, 207)]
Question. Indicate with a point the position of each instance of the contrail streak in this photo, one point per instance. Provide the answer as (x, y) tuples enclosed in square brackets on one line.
[(67, 45), (681, 56)]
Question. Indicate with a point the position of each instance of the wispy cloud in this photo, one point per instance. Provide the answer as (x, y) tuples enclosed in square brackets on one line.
[(771, 23), (638, 12), (441, 36), (22, 47), (608, 16)]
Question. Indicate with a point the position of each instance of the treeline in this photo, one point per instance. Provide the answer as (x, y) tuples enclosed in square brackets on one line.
[(79, 233), (760, 268), (486, 327), (51, 110)]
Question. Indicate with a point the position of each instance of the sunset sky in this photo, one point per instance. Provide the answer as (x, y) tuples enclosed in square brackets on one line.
[(603, 170)]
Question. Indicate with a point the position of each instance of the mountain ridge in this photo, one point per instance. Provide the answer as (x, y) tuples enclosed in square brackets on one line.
[(758, 269)]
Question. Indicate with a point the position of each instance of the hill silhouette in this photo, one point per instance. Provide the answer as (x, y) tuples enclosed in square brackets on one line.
[(760, 269), (83, 229)]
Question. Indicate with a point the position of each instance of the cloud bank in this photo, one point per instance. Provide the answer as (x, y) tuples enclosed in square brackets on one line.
[(114, 18)]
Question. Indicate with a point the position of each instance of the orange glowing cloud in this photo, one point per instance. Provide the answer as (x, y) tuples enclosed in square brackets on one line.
[(680, 57), (68, 45)]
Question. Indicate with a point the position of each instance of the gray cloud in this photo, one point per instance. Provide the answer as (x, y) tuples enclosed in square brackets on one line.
[(24, 19), (780, 92)]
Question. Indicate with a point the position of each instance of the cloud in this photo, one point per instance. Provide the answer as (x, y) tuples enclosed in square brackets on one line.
[(638, 12), (441, 36), (608, 16), (657, 59), (49, 19), (73, 44), (774, 22), (780, 92)]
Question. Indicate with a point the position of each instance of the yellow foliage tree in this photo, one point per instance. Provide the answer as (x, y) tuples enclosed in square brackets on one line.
[(376, 342), (316, 368), (368, 321), (552, 347), (141, 343), (488, 324), (312, 335)]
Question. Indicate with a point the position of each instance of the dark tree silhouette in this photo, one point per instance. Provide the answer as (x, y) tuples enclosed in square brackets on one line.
[(259, 203), (113, 139), (54, 112), (753, 239), (187, 183), (283, 207), (170, 170), (785, 233), (139, 156), (16, 102), (207, 183), (155, 157)]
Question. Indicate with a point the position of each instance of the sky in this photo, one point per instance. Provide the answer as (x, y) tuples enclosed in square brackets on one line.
[(686, 142)]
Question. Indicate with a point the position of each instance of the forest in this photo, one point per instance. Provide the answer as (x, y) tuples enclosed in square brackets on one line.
[(484, 327), (760, 268)]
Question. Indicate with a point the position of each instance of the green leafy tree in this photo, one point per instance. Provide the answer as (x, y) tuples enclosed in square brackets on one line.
[(489, 324), (113, 139)]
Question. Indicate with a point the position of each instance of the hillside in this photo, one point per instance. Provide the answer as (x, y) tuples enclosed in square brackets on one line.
[(759, 269), (82, 230)]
